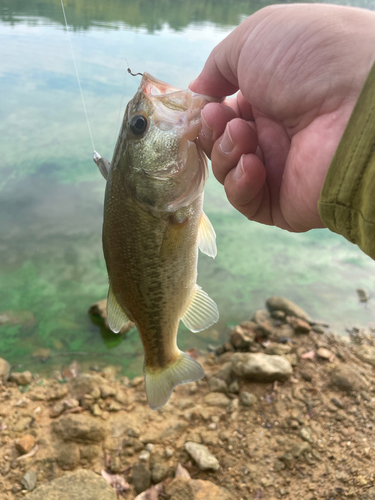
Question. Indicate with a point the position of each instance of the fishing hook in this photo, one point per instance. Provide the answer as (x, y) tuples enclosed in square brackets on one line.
[(134, 74)]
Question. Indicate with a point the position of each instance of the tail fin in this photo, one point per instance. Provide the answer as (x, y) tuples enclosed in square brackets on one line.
[(159, 385)]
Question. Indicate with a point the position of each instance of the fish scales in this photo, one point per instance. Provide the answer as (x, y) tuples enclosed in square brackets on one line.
[(153, 224)]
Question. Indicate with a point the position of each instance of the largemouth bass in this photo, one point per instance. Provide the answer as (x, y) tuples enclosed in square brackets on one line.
[(153, 226)]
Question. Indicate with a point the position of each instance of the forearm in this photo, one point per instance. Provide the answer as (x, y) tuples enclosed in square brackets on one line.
[(347, 201)]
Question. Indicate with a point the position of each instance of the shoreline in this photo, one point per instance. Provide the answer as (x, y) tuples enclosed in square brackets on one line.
[(286, 410)]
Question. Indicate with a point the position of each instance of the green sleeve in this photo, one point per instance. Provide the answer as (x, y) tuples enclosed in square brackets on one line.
[(347, 200)]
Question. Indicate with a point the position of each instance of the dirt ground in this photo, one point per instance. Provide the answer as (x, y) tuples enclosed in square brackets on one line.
[(306, 433)]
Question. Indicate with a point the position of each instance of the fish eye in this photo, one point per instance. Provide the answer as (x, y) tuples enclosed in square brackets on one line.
[(138, 124)]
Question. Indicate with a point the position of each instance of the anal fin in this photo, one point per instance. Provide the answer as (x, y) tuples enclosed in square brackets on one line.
[(115, 314), (202, 311), (159, 384), (207, 237)]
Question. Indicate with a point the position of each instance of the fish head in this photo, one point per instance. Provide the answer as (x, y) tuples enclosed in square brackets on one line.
[(158, 151)]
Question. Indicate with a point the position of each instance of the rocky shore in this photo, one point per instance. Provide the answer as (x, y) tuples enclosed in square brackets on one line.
[(286, 410)]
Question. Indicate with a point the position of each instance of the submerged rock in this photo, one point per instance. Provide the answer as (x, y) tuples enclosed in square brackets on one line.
[(287, 306), (100, 309), (78, 485), (261, 367), (4, 370)]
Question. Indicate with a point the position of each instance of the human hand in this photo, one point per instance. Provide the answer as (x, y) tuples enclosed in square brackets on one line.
[(300, 69)]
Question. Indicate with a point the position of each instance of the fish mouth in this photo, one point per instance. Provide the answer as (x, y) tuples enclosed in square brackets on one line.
[(152, 86)]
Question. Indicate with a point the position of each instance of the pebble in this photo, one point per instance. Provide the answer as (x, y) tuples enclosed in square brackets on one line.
[(144, 456), (121, 397), (324, 353), (217, 385), (234, 387), (25, 443), (114, 406), (204, 459), (216, 399), (261, 367), (23, 423), (299, 325), (95, 410), (168, 452), (67, 455), (306, 434), (247, 399), (278, 349), (21, 378), (225, 372), (366, 353), (317, 329), (241, 339)]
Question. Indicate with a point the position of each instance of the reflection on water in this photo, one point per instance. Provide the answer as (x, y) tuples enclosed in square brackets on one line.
[(51, 194)]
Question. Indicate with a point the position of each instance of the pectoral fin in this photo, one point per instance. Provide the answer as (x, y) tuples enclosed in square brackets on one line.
[(115, 314), (103, 164), (202, 311), (207, 237)]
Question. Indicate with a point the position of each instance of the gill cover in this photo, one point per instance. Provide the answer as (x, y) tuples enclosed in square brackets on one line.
[(168, 168)]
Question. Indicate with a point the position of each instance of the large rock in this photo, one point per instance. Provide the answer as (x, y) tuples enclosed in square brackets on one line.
[(290, 308), (181, 488), (204, 459), (78, 485), (261, 367), (21, 378), (4, 370), (367, 354), (141, 477), (79, 428), (347, 378), (205, 490)]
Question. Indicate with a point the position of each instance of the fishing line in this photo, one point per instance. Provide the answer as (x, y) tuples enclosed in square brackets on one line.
[(79, 82)]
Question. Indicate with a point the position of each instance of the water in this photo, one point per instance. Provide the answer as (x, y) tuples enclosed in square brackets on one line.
[(51, 193)]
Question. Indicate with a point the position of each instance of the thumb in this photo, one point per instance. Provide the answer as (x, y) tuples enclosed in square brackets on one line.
[(219, 75)]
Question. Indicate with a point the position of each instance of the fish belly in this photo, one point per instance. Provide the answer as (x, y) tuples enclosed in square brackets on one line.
[(152, 267)]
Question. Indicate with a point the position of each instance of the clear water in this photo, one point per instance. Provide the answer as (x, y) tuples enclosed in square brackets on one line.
[(51, 193)]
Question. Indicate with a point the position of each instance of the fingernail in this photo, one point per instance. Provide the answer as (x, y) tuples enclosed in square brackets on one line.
[(226, 144), (239, 170), (206, 130)]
